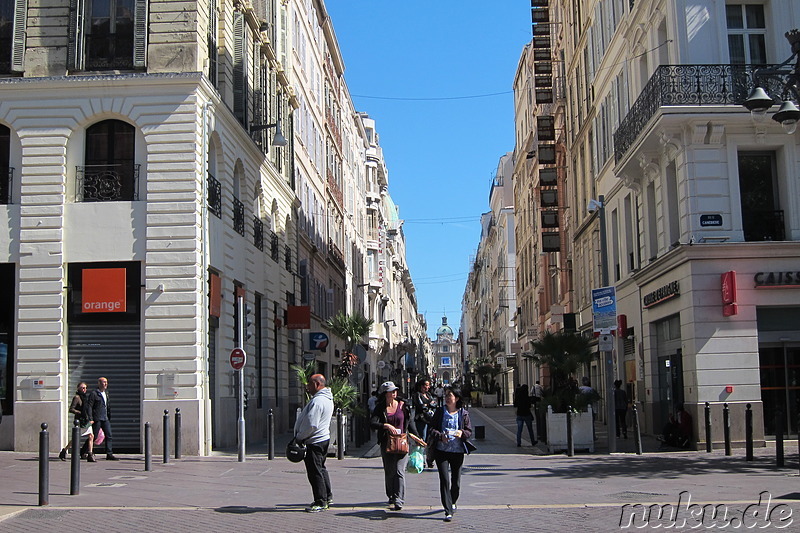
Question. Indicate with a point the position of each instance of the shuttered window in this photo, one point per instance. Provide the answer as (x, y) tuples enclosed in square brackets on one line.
[(107, 34), (240, 68), (13, 17)]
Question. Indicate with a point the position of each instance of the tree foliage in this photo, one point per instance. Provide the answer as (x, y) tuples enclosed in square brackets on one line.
[(352, 329), (564, 354)]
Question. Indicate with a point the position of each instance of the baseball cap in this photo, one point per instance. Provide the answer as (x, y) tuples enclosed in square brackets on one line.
[(387, 386)]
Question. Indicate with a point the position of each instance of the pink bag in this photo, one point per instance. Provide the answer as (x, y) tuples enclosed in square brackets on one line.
[(100, 438)]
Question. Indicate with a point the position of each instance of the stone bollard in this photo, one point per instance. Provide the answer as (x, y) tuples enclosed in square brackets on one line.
[(148, 450), (271, 435), (44, 466), (75, 461), (178, 433), (726, 427), (748, 433), (708, 427), (570, 443), (165, 436)]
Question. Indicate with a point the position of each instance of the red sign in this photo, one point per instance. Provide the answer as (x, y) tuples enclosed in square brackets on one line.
[(215, 298), (238, 358), (298, 317), (104, 290), (729, 307)]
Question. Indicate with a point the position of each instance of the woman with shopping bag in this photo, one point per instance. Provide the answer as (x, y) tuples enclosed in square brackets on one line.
[(76, 408), (395, 424)]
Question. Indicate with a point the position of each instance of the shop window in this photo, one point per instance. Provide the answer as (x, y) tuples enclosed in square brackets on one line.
[(107, 35), (109, 173)]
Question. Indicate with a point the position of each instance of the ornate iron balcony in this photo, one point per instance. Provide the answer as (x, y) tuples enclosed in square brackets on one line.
[(5, 184), (108, 183), (110, 51), (214, 196), (238, 216), (287, 258), (684, 85), (258, 233), (274, 252)]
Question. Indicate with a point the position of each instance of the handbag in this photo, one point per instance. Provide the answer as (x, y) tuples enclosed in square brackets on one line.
[(397, 443), (469, 447), (100, 438), (295, 451)]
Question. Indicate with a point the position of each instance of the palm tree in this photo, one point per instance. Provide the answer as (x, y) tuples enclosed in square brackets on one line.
[(564, 354), (351, 328)]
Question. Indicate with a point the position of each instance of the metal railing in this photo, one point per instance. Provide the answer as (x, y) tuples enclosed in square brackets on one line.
[(238, 216), (6, 185), (287, 258), (274, 252), (108, 183), (258, 233), (214, 196), (685, 85), (109, 51)]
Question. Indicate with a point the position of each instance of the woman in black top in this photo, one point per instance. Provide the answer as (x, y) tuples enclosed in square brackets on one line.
[(424, 406), (523, 404), (77, 409)]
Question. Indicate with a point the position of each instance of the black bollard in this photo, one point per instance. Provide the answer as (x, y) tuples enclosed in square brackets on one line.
[(148, 450), (726, 427), (748, 433), (637, 434), (165, 435), (178, 433), (779, 459), (271, 435), (570, 443), (708, 427), (44, 466), (339, 435), (75, 461)]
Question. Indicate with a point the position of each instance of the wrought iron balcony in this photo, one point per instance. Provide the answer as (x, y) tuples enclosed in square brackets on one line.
[(110, 51), (238, 216), (5, 184), (258, 233), (274, 252), (684, 85), (214, 196), (108, 183), (763, 225), (287, 258)]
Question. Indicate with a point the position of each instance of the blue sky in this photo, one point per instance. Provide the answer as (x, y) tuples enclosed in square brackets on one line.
[(407, 64)]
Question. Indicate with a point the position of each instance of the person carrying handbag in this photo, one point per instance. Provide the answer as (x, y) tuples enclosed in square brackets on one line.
[(392, 416), (448, 441)]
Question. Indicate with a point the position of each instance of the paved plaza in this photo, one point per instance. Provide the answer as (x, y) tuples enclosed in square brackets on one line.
[(504, 488)]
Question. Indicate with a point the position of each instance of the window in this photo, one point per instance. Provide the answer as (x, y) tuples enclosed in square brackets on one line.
[(213, 28), (109, 173), (107, 34), (12, 35), (6, 172), (758, 190), (746, 34)]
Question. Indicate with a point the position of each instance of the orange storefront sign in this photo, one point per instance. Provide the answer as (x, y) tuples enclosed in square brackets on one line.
[(104, 290)]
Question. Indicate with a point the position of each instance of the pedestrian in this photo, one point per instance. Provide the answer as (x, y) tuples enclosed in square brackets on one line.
[(77, 408), (98, 410), (313, 428), (439, 393), (373, 399), (522, 401), (424, 406), (621, 408), (448, 441), (537, 393), (393, 415)]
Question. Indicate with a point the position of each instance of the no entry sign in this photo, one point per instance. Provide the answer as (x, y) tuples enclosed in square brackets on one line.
[(238, 357)]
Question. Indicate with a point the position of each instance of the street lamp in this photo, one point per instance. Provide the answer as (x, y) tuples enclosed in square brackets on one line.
[(599, 206), (278, 139), (759, 101)]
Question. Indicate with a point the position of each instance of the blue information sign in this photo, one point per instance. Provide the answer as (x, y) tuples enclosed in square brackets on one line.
[(604, 309)]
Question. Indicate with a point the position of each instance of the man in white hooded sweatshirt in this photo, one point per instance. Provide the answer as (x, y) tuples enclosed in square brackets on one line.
[(313, 429)]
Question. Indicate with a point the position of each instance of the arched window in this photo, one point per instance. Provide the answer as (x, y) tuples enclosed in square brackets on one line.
[(109, 173)]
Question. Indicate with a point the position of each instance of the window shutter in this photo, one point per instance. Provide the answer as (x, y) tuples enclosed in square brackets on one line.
[(140, 34), (239, 68), (75, 35), (18, 44)]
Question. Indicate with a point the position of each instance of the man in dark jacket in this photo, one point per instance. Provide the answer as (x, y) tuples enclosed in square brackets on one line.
[(98, 412)]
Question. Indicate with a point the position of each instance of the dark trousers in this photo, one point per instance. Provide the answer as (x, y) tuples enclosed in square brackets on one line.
[(622, 424), (105, 425), (394, 476), (422, 429), (317, 473), (525, 421), (449, 466)]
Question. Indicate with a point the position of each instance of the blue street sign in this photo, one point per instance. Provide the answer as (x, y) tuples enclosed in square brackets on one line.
[(604, 309)]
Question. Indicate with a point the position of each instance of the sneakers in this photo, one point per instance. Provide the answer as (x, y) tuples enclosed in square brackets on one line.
[(397, 507), (448, 517), (316, 508), (90, 458), (111, 457), (63, 454)]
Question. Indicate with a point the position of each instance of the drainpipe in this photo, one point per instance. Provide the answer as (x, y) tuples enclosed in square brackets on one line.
[(206, 109)]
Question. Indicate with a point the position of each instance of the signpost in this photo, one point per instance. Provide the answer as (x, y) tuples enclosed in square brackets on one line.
[(238, 358)]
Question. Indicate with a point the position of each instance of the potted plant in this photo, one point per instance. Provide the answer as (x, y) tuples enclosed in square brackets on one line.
[(352, 329)]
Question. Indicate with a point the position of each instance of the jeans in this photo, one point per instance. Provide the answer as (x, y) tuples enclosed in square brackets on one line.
[(528, 421), (621, 422), (449, 466), (394, 473), (317, 473)]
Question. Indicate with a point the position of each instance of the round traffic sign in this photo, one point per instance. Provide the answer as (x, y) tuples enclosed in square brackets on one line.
[(238, 358)]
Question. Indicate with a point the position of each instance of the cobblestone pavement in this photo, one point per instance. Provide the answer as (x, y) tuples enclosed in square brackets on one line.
[(504, 488)]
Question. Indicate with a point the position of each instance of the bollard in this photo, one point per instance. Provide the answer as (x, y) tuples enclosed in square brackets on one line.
[(339, 435), (165, 435), (726, 427), (271, 435), (178, 433), (709, 444), (637, 434), (570, 443), (44, 466), (148, 450), (779, 459), (748, 433), (75, 461)]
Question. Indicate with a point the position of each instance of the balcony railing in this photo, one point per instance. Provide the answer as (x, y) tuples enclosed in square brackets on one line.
[(686, 85), (5, 184), (110, 51), (108, 183), (238, 216), (287, 258), (258, 233), (763, 225), (273, 247), (214, 196)]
